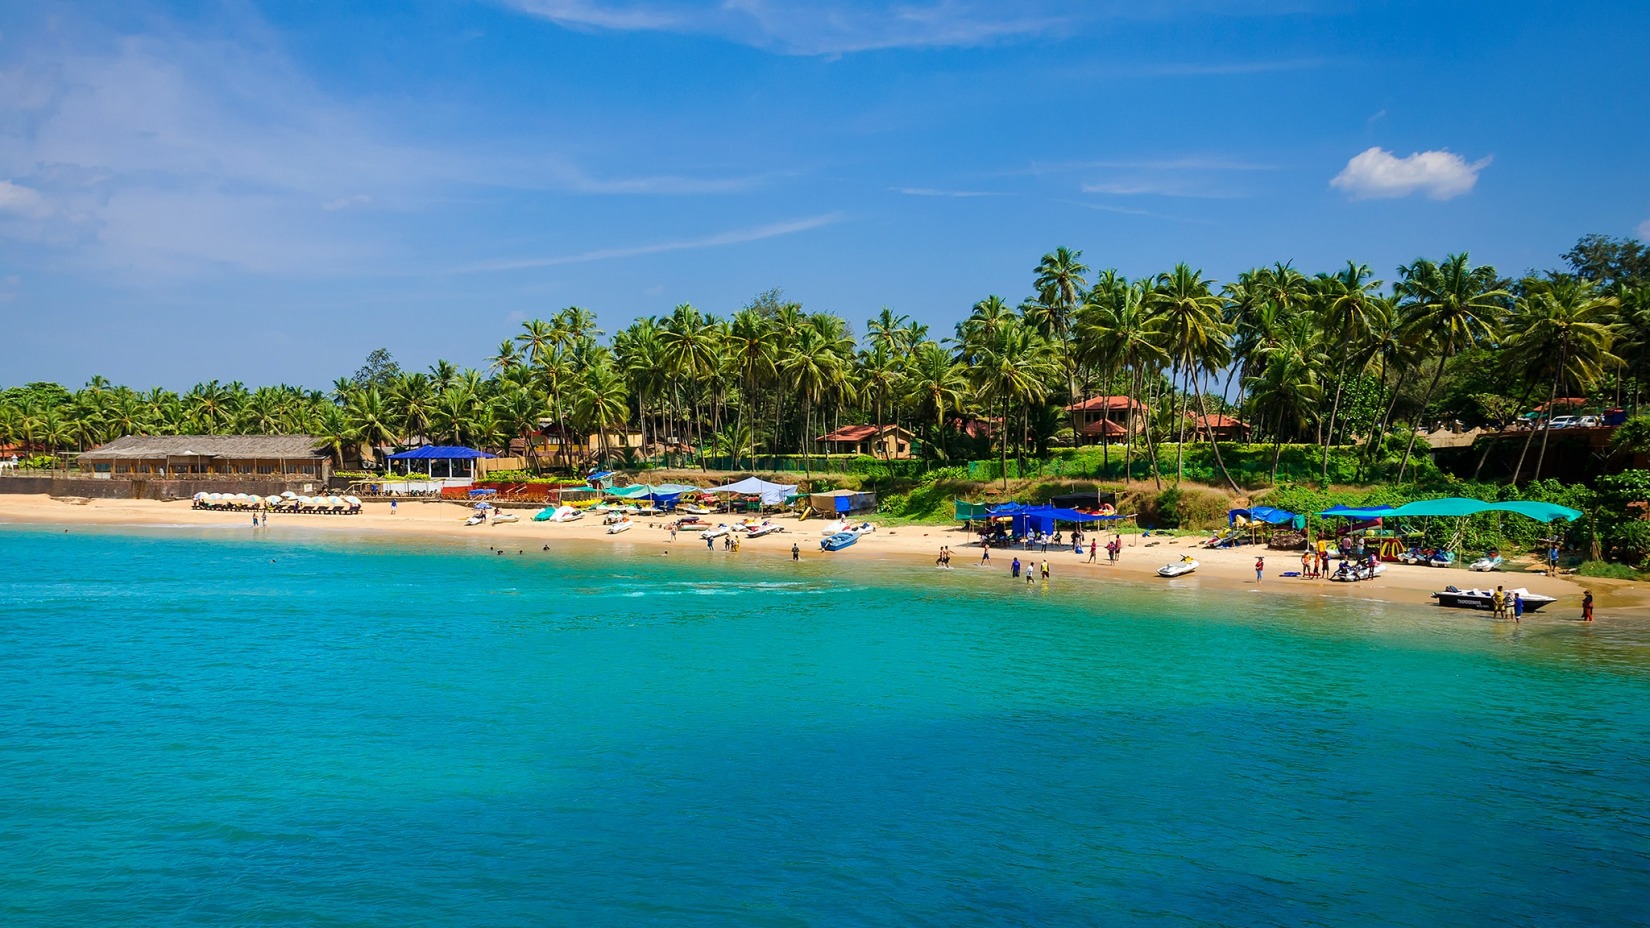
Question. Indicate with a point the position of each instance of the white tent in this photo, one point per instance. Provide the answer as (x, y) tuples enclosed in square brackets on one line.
[(773, 494)]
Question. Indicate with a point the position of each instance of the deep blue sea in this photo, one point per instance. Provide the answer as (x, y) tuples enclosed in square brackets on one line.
[(204, 728)]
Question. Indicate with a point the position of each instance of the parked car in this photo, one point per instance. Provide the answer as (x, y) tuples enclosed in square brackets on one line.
[(1587, 422), (1562, 422)]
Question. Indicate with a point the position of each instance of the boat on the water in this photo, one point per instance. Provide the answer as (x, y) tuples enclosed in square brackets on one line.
[(1482, 599), (838, 541), (1179, 568)]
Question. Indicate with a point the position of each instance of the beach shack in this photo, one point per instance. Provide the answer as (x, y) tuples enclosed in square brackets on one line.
[(441, 465), (842, 502), (271, 456)]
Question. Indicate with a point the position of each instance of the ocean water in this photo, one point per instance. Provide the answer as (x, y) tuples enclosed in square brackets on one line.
[(211, 729)]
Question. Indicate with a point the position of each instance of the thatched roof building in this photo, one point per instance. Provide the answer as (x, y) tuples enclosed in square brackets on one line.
[(183, 455)]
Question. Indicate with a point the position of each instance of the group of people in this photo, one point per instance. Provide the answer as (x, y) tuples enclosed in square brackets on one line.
[(1031, 571), (1511, 605)]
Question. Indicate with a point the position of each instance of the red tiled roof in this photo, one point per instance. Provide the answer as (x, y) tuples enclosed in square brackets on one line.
[(1105, 402), (856, 432), (1219, 421), (1563, 402), (1105, 427)]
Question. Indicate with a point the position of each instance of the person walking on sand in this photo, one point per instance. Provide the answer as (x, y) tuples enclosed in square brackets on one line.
[(673, 533), (1552, 561), (985, 554), (710, 543), (1308, 559), (1587, 606), (1260, 568), (392, 507), (1094, 550)]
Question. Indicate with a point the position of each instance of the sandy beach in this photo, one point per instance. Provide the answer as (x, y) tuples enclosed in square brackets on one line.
[(918, 544)]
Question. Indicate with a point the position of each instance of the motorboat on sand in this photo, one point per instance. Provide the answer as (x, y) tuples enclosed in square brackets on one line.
[(1349, 572), (1178, 568), (1482, 599), (1489, 562), (838, 541), (505, 517), (716, 532), (623, 525)]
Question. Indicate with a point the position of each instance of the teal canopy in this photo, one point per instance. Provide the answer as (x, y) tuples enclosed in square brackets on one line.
[(1457, 506)]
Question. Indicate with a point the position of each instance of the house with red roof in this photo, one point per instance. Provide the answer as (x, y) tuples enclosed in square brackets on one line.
[(889, 442)]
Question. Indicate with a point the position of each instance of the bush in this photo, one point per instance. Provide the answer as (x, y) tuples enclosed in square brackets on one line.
[(1607, 570)]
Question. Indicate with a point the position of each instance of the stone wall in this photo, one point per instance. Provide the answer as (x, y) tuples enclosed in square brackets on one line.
[(153, 488)]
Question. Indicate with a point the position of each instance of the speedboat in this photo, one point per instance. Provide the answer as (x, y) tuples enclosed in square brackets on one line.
[(1178, 568), (834, 527), (838, 541), (1349, 572), (716, 532), (623, 525), (863, 528), (613, 517), (505, 517), (567, 514), (695, 509), (766, 528), (1481, 599), (1488, 562), (476, 519), (687, 522)]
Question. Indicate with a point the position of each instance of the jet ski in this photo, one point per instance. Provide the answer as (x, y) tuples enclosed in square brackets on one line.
[(1178, 568), (1490, 561)]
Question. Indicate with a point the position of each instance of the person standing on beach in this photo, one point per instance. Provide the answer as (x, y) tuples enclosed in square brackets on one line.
[(796, 553), (673, 533), (1094, 550), (1552, 561), (1587, 606), (1498, 604), (1260, 568), (1308, 561), (1518, 606), (1045, 571), (710, 543), (1014, 569)]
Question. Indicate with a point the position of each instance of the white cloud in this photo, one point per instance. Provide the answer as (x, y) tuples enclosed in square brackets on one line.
[(805, 27), (22, 201), (934, 192), (735, 237), (1379, 174)]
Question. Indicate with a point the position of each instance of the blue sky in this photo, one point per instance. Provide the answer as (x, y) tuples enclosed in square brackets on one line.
[(266, 191)]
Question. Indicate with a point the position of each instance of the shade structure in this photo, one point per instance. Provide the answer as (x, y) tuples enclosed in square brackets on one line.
[(439, 453), (967, 511), (1458, 506), (1042, 518), (634, 491), (772, 494), (1090, 499), (1357, 512), (1268, 515)]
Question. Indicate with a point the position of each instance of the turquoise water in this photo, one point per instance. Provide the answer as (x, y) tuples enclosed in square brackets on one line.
[(201, 729)]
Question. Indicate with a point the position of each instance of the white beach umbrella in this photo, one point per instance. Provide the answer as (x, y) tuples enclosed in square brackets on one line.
[(353, 501), (337, 502), (288, 494), (273, 500), (201, 495)]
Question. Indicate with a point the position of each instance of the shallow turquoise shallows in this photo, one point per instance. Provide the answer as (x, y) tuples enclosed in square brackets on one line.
[(217, 729)]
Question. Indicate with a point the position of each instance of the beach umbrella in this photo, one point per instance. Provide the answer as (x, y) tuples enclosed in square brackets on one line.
[(288, 494), (337, 502), (484, 505), (200, 495), (353, 501), (273, 500)]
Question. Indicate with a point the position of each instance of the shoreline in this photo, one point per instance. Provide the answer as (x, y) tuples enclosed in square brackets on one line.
[(1228, 570)]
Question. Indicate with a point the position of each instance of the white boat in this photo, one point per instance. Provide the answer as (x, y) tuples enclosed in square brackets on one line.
[(1483, 599), (1487, 563), (1178, 568), (613, 518), (1442, 559), (695, 509), (623, 525), (766, 528), (505, 517), (1348, 572), (716, 532), (863, 528), (834, 527), (476, 519)]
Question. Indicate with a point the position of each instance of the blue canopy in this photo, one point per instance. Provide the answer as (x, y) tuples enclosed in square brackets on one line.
[(1351, 512), (1267, 514), (1456, 506), (439, 453), (1042, 518)]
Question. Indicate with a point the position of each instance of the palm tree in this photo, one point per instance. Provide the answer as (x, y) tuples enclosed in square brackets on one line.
[(1115, 332), (601, 402), (1347, 309), (1564, 324), (751, 353), (1451, 306), (369, 419), (1012, 368), (935, 383), (1284, 390), (1188, 319)]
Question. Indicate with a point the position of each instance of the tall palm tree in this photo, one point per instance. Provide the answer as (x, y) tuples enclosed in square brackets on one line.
[(1451, 306), (1012, 368), (934, 383), (601, 403), (1564, 324), (1347, 308), (1188, 318)]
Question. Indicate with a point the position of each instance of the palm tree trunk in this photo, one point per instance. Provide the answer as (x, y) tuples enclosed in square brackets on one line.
[(1415, 425), (1215, 445), (1558, 376), (1180, 442), (1151, 449), (1334, 413)]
